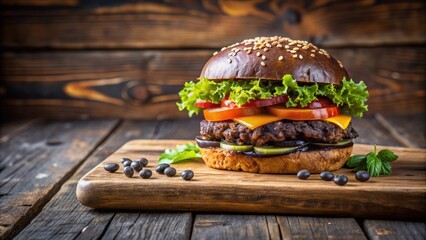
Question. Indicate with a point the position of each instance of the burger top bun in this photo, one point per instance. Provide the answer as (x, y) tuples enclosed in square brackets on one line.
[(270, 58)]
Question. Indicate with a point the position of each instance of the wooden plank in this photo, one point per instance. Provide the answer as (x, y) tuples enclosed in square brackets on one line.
[(217, 190), (127, 24), (408, 129), (209, 226), (35, 163), (319, 228), (11, 128), (144, 84), (382, 229), (149, 226), (65, 217)]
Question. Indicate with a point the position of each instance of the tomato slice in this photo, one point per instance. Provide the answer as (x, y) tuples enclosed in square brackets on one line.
[(322, 102), (206, 104), (256, 103), (225, 113), (302, 113)]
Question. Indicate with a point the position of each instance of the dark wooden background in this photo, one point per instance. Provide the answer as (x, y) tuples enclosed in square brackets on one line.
[(127, 59)]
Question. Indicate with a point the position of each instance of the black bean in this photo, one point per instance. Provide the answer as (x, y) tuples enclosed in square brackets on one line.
[(143, 161), (362, 176), (303, 174), (128, 171), (111, 167), (187, 174), (125, 159), (160, 168), (341, 180), (327, 176), (170, 171), (136, 165), (145, 173), (127, 163)]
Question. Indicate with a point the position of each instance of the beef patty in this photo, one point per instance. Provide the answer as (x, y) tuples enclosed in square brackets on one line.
[(273, 133)]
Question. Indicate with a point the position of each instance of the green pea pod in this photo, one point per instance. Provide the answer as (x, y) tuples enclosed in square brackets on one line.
[(355, 161)]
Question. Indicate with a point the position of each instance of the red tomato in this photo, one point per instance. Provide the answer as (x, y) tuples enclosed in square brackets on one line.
[(322, 102), (224, 113), (256, 103), (206, 104), (302, 113)]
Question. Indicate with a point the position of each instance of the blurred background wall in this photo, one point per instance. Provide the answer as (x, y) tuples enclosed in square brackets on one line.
[(128, 59)]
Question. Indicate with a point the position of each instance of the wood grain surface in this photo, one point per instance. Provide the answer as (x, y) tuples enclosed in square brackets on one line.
[(144, 84), (209, 23), (35, 163), (65, 217), (216, 190)]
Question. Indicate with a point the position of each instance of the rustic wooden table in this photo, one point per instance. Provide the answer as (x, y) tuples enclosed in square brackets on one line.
[(41, 162)]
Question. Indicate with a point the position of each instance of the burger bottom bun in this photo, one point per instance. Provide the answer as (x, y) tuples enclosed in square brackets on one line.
[(315, 161)]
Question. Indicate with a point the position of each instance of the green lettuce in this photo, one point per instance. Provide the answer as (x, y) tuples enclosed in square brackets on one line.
[(351, 97)]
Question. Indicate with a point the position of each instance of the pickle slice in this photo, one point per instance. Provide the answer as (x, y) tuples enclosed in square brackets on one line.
[(236, 147), (274, 150), (339, 143)]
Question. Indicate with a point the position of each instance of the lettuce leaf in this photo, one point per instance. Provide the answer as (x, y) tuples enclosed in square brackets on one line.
[(181, 153), (351, 97)]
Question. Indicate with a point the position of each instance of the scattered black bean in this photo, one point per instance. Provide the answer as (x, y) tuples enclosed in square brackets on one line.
[(327, 176), (128, 171), (145, 173), (136, 165), (187, 174), (127, 163), (362, 176), (170, 171), (143, 161), (160, 168), (125, 159), (303, 174), (111, 167), (341, 180)]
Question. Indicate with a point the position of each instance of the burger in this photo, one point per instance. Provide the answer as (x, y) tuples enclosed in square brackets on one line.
[(274, 105)]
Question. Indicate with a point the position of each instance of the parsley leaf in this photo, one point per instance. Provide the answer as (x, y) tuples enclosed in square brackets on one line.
[(181, 153), (351, 97)]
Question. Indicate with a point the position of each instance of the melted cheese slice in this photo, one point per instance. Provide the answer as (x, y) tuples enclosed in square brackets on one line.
[(256, 121)]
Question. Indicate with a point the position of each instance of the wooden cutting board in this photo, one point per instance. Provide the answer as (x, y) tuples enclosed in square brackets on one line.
[(401, 195)]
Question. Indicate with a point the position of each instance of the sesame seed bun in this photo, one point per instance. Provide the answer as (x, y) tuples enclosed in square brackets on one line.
[(270, 58), (315, 161)]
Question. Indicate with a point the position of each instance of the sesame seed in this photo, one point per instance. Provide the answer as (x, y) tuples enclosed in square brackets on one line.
[(249, 51), (268, 45), (263, 64), (296, 48), (265, 49), (305, 47), (300, 56), (222, 48), (215, 53), (258, 54), (313, 50), (229, 60), (280, 58), (287, 46), (279, 45), (299, 45), (321, 53), (293, 51), (294, 55), (263, 57), (291, 43), (312, 55)]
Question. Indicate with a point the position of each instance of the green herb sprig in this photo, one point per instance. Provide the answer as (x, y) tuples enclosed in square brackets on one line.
[(376, 163), (181, 153)]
